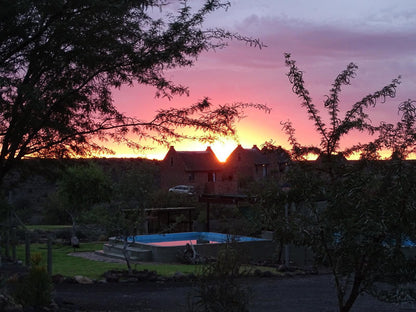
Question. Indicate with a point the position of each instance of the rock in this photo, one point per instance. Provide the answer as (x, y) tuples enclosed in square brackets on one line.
[(70, 280), (191, 277), (7, 304), (179, 276), (289, 274), (112, 277), (312, 270), (145, 275), (282, 268), (292, 269), (130, 279), (267, 274), (83, 279), (58, 279), (74, 242)]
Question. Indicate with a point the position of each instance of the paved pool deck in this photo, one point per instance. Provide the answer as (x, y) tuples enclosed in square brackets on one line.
[(97, 256)]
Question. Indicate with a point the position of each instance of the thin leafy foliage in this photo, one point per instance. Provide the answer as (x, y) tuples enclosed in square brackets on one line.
[(60, 62), (355, 119), (357, 217), (217, 288), (399, 138), (80, 188)]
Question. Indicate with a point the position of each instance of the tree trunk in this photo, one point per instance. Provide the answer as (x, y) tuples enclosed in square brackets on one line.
[(355, 291), (279, 254), (126, 254), (74, 238)]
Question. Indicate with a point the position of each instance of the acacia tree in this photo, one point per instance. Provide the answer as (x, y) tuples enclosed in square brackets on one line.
[(132, 194), (60, 60), (357, 217), (399, 138), (81, 187), (355, 118)]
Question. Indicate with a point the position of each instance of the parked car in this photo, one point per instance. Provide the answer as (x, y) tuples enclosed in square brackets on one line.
[(183, 189)]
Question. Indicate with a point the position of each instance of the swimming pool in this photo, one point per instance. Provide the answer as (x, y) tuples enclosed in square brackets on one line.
[(181, 239), (168, 247)]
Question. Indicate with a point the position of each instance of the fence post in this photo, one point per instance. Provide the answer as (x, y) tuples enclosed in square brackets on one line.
[(14, 243), (7, 244), (49, 255), (27, 248)]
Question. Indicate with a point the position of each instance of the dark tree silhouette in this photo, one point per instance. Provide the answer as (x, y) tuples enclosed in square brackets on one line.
[(357, 217), (60, 60), (355, 118), (399, 139)]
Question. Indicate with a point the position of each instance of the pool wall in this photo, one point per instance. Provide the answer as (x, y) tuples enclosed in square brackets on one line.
[(142, 249)]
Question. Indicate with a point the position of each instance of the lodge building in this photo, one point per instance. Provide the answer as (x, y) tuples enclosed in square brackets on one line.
[(203, 170)]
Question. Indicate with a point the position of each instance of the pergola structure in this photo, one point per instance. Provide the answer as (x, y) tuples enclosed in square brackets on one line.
[(227, 199), (171, 210)]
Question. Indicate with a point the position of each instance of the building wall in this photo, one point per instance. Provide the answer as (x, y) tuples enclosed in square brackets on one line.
[(172, 170), (241, 167)]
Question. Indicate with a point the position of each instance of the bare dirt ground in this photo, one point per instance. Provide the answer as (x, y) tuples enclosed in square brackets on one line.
[(290, 294)]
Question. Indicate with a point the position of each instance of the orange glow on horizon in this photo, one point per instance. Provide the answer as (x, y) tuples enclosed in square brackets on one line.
[(222, 149)]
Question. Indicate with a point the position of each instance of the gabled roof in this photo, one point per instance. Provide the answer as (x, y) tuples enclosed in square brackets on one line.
[(258, 157), (199, 160), (254, 154), (278, 154)]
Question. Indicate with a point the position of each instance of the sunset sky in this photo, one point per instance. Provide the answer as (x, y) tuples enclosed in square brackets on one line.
[(323, 36)]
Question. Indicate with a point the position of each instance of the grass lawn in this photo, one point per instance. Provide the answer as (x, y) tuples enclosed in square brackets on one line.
[(66, 265), (63, 263)]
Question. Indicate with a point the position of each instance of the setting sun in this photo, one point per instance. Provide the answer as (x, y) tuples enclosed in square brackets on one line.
[(223, 149)]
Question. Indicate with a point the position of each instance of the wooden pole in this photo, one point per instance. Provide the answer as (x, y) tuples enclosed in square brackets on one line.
[(0, 249), (49, 255), (190, 220), (207, 216), (14, 243), (7, 244), (27, 249)]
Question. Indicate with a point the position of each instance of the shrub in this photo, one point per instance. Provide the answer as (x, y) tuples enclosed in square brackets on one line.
[(217, 288), (35, 288)]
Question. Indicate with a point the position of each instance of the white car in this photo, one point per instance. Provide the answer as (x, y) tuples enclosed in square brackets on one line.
[(183, 189)]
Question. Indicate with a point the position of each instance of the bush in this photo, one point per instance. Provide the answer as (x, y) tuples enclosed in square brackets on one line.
[(217, 289), (35, 288)]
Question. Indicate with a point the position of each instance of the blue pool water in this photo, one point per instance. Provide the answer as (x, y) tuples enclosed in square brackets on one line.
[(194, 238), (166, 248), (408, 243)]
